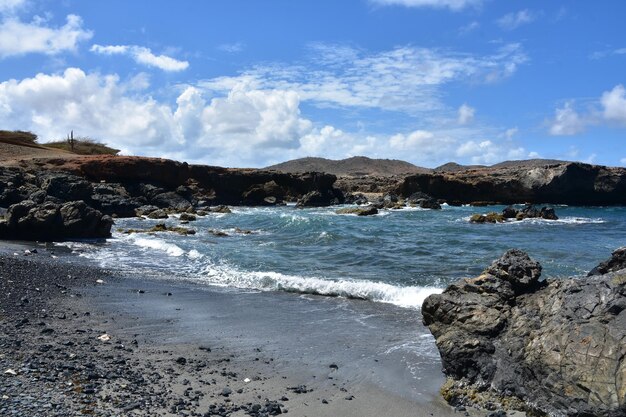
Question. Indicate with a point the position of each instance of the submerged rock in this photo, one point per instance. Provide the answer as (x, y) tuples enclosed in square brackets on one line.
[(366, 211), (491, 217), (556, 347), (162, 227)]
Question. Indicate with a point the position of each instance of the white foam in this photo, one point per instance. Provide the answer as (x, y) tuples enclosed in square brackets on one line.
[(561, 221), (158, 244), (411, 297), (194, 254)]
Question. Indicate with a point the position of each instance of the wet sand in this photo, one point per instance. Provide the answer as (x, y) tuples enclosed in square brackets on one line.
[(129, 346)]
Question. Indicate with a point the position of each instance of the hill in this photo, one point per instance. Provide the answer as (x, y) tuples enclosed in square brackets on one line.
[(353, 167)]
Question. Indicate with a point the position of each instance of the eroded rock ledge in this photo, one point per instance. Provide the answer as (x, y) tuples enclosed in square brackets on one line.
[(555, 347)]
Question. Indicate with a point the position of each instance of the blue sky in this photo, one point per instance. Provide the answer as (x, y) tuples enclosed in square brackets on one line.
[(251, 83)]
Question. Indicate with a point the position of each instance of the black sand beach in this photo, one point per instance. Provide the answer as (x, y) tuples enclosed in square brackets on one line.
[(80, 340)]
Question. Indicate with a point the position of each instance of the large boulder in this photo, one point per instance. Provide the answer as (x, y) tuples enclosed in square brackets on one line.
[(171, 200), (65, 187), (320, 199), (616, 262), (51, 222), (555, 347)]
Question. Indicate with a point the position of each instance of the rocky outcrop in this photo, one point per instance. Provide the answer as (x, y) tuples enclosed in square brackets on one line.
[(121, 186), (423, 200), (511, 213), (52, 222), (571, 183), (359, 211), (320, 199), (615, 263), (555, 346)]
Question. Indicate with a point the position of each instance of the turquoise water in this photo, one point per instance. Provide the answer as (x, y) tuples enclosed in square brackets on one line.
[(398, 256)]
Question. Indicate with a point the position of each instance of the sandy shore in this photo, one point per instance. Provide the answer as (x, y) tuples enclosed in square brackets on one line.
[(67, 350)]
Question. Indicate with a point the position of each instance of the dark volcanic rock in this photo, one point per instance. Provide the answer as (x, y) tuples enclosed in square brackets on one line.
[(30, 221), (320, 199), (359, 211), (572, 183), (559, 346), (616, 262)]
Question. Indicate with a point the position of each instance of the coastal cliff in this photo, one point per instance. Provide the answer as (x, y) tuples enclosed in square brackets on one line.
[(572, 183), (36, 192), (554, 347)]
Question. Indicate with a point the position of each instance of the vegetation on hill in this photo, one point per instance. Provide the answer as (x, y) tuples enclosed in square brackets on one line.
[(83, 146), (79, 145), (18, 137)]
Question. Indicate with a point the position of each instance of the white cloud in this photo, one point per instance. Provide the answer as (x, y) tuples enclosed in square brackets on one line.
[(232, 48), (19, 38), (566, 121), (466, 114), (623, 161), (614, 104), (246, 127), (605, 53), (516, 19), (470, 27), (9, 6), (489, 152), (455, 5), (609, 109), (93, 105), (406, 79), (143, 56), (510, 133)]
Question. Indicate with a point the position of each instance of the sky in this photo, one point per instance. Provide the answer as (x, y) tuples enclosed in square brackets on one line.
[(249, 83)]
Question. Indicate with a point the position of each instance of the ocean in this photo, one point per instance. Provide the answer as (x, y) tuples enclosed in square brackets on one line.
[(314, 287), (397, 256)]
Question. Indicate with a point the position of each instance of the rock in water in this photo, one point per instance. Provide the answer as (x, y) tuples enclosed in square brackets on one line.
[(359, 211), (616, 262), (557, 346)]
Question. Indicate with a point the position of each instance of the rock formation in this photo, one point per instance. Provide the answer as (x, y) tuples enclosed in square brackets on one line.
[(556, 347), (50, 221), (571, 183)]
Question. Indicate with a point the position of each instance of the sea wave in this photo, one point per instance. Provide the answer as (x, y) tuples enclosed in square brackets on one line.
[(561, 221), (224, 275), (159, 245)]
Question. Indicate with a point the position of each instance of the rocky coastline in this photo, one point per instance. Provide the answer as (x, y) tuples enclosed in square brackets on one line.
[(572, 183), (554, 347)]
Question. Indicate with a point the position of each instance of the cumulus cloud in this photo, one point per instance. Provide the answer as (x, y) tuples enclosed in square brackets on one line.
[(489, 152), (609, 109), (232, 129), (614, 104), (454, 5), (466, 114), (19, 38), (247, 126), (143, 56), (516, 19), (566, 121)]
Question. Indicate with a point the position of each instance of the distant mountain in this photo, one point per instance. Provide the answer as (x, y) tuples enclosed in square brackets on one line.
[(355, 166), (527, 163)]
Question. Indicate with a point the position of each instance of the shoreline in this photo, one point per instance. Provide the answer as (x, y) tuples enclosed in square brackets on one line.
[(134, 372)]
